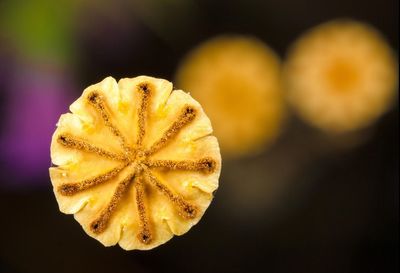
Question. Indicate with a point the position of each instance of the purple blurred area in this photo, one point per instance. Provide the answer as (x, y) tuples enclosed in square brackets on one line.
[(37, 97), (310, 203)]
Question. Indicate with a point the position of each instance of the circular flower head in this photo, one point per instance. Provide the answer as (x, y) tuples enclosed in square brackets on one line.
[(135, 162), (238, 81), (341, 76)]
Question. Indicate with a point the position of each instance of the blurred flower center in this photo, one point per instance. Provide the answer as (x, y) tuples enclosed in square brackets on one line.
[(236, 100), (342, 75)]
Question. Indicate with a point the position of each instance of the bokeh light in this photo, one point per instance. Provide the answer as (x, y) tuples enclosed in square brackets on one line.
[(238, 80), (341, 76)]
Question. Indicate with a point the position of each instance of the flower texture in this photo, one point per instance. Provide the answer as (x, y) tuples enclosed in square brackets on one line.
[(135, 162), (341, 76), (237, 79)]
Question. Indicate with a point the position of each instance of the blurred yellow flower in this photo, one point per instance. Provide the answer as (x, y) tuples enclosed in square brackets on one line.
[(341, 76), (238, 81)]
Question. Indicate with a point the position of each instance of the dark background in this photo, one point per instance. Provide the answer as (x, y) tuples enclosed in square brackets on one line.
[(308, 204)]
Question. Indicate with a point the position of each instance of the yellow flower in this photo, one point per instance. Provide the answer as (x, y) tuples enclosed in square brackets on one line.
[(135, 162), (238, 82), (341, 76)]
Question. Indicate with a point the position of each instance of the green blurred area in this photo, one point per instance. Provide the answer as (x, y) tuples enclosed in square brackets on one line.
[(41, 30)]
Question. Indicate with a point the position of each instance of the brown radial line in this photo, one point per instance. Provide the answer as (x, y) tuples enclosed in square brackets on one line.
[(69, 189), (100, 105), (204, 164), (186, 209), (145, 94), (187, 115), (101, 223), (144, 235), (78, 144)]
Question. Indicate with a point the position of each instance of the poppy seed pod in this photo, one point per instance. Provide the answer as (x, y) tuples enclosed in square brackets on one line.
[(135, 162)]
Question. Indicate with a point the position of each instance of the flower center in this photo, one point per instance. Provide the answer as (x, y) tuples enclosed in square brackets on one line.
[(140, 157)]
